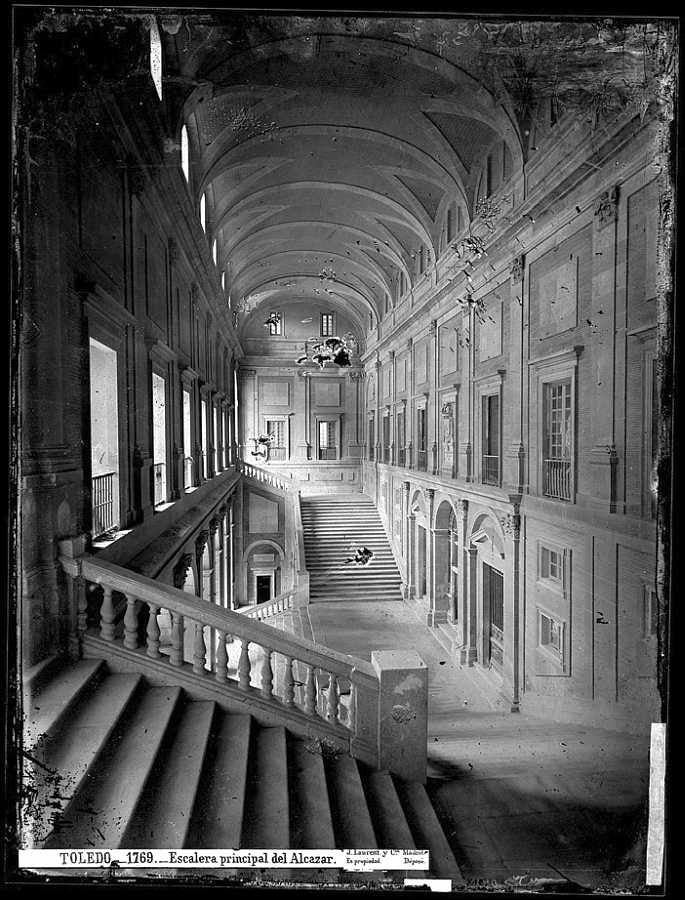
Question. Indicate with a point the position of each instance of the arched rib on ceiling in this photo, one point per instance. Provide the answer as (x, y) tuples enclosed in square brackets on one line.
[(343, 145)]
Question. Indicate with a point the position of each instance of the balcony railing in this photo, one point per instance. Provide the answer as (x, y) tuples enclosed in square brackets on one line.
[(102, 492), (422, 460), (556, 478), (188, 472), (490, 470), (328, 453), (160, 483), (277, 454)]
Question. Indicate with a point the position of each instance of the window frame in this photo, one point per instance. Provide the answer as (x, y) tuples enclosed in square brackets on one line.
[(326, 319), (276, 328), (329, 420), (560, 655)]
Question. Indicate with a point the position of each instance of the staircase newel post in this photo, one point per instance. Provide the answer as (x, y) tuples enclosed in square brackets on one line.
[(402, 716), (77, 608)]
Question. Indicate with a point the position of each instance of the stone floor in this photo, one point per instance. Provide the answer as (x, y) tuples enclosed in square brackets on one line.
[(523, 797)]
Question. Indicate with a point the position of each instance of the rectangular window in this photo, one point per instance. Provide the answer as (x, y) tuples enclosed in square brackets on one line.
[(371, 449), (401, 438), (557, 459), (104, 439), (551, 635), (277, 447), (327, 324), (386, 439), (187, 441), (204, 438), (421, 440), (216, 439), (450, 224), (275, 323), (490, 473), (159, 438), (328, 440)]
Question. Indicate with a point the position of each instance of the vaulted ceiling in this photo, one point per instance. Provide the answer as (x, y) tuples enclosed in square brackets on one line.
[(329, 148)]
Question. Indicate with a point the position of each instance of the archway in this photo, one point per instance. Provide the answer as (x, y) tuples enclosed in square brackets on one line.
[(419, 531), (487, 591), (445, 564), (263, 571)]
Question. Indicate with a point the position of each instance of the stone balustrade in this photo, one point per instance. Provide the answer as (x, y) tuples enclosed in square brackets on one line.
[(310, 688)]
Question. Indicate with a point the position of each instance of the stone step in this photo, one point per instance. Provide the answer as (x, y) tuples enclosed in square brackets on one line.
[(351, 819), (218, 819), (70, 753), (57, 698), (266, 823), (427, 831), (110, 795), (163, 816), (311, 823), (387, 815)]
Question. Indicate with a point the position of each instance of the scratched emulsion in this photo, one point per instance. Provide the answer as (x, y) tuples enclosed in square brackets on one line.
[(234, 79)]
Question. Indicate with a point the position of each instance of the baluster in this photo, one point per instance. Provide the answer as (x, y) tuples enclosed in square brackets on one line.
[(310, 692), (199, 650), (352, 709), (332, 699), (107, 614), (288, 684), (131, 623), (244, 666), (153, 632), (176, 657), (221, 664), (267, 675)]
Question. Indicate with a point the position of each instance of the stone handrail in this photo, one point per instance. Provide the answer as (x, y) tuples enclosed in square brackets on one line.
[(260, 611), (294, 528), (376, 710)]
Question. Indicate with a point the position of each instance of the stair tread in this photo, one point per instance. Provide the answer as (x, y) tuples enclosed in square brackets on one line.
[(162, 818), (103, 808), (351, 818), (71, 752), (310, 810), (427, 830), (389, 821), (58, 696), (266, 822), (219, 822)]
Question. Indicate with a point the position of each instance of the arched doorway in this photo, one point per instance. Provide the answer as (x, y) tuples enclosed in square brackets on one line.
[(419, 530), (487, 582), (263, 566)]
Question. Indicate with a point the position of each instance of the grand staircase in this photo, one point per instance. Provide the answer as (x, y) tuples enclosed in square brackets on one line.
[(331, 525), (112, 761)]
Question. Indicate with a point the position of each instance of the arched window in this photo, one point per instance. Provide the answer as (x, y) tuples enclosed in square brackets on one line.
[(185, 158), (156, 57), (203, 212)]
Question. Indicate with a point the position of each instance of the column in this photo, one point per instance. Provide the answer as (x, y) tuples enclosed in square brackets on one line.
[(393, 419), (513, 460), (469, 648), (511, 525), (406, 540), (602, 473), (430, 557), (247, 386), (435, 407), (409, 411)]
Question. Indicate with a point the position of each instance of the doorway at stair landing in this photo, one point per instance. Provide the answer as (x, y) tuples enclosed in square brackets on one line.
[(264, 588)]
